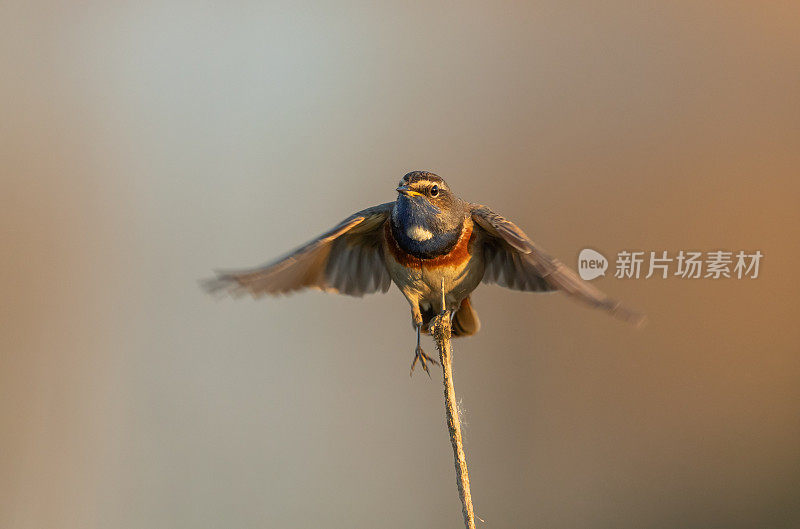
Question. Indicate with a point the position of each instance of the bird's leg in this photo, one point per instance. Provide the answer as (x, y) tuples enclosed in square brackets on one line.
[(419, 354)]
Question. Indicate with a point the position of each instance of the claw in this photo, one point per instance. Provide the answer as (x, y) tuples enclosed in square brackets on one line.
[(420, 355)]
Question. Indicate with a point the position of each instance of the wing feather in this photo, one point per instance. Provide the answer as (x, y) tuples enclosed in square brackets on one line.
[(347, 259), (514, 261)]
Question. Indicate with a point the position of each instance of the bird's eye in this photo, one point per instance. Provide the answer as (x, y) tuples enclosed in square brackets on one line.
[(434, 190)]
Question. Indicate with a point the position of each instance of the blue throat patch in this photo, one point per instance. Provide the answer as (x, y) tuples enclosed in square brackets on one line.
[(417, 211)]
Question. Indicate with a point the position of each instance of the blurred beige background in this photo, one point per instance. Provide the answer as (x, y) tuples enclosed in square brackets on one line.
[(144, 143)]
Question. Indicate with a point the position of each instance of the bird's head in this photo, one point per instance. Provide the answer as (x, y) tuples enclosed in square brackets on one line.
[(425, 189), (425, 199)]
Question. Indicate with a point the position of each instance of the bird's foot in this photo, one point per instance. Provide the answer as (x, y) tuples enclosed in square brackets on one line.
[(420, 355)]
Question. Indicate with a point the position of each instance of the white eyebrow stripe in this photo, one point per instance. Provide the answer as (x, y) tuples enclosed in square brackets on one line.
[(418, 233), (422, 183)]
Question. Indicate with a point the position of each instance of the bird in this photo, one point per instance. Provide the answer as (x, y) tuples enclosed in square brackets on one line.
[(435, 247)]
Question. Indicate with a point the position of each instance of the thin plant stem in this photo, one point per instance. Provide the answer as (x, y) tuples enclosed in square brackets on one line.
[(442, 332)]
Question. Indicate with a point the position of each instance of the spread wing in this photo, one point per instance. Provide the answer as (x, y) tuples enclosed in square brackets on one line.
[(348, 259), (516, 262)]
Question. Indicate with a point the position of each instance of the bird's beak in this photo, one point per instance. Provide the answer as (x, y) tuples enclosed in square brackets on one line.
[(405, 190)]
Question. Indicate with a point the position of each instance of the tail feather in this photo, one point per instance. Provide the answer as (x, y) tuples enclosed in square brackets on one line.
[(465, 320)]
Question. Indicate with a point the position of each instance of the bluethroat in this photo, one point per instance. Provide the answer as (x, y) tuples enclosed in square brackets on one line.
[(434, 246)]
